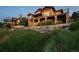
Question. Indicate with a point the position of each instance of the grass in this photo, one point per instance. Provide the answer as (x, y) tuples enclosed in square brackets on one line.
[(3, 33), (31, 41), (21, 41), (74, 26), (62, 41)]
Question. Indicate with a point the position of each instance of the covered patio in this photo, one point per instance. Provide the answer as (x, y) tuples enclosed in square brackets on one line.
[(55, 18)]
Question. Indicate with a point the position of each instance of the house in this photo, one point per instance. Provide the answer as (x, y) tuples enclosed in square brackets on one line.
[(21, 21), (15, 22), (48, 13), (7, 22)]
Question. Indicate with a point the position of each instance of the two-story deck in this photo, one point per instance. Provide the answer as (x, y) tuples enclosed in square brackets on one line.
[(48, 13)]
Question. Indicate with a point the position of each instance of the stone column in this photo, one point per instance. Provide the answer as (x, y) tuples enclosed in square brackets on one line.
[(67, 18), (28, 22), (33, 22), (38, 20), (45, 19), (55, 17)]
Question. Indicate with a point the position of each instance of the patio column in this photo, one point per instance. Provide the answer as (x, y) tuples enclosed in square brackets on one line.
[(38, 20), (55, 17), (33, 22), (67, 18), (28, 22), (45, 19)]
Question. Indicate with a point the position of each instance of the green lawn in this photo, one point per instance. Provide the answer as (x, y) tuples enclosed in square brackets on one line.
[(24, 40), (3, 33), (32, 41)]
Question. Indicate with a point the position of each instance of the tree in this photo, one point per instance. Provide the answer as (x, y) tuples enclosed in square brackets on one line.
[(75, 16), (74, 26), (7, 19), (23, 21), (1, 25)]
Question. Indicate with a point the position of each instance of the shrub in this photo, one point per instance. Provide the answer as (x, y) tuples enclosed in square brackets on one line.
[(1, 25), (74, 26), (42, 23), (21, 41), (60, 21), (3, 33), (59, 40), (48, 22), (62, 40), (24, 23), (7, 25)]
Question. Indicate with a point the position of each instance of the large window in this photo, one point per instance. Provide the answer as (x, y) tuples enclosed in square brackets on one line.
[(46, 14), (35, 20)]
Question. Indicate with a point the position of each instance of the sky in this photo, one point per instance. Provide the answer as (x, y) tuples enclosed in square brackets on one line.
[(15, 11)]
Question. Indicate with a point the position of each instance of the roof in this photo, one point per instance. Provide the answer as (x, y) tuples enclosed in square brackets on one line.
[(49, 7), (40, 9), (29, 14), (36, 15), (61, 10), (46, 7)]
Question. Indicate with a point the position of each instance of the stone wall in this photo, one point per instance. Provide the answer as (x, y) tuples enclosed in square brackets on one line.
[(43, 29)]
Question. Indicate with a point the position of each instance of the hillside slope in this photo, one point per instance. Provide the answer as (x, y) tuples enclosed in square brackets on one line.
[(31, 41)]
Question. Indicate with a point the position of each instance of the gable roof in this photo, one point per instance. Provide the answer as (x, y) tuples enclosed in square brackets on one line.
[(61, 10), (46, 7), (29, 14), (49, 7), (40, 9)]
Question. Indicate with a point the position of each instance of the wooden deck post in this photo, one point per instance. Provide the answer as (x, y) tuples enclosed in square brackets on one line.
[(55, 19), (33, 22), (67, 18), (28, 22), (45, 19), (38, 19)]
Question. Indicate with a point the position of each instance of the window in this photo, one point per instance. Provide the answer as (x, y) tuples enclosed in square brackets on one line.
[(46, 14), (35, 20)]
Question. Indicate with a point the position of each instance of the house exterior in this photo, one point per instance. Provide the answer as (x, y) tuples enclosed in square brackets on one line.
[(15, 22), (21, 21), (48, 13)]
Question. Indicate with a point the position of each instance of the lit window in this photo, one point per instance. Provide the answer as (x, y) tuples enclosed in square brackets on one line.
[(46, 14)]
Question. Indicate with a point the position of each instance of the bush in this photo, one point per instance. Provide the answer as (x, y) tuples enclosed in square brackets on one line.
[(24, 23), (3, 33), (21, 41), (48, 22), (74, 26), (1, 25), (7, 26), (60, 21), (59, 40)]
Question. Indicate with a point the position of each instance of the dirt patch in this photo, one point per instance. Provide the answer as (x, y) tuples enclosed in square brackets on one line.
[(4, 38)]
